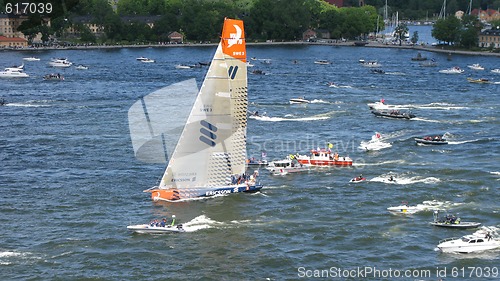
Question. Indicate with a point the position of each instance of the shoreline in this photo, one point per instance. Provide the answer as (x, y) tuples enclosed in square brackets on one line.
[(370, 44)]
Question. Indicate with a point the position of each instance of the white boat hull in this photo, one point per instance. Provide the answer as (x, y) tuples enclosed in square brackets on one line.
[(403, 209), (145, 228)]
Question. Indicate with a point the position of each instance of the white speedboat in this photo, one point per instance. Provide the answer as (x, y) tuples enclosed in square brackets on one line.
[(61, 62), (404, 208), (481, 240), (31, 59), (476, 66), (146, 228), (81, 67), (321, 62), (299, 100), (182, 66), (371, 64), (286, 166), (496, 70), (13, 72), (148, 61), (453, 70)]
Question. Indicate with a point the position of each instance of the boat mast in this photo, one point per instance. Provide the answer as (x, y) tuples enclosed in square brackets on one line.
[(470, 8), (442, 14)]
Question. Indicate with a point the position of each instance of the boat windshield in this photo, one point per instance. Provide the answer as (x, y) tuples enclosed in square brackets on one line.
[(465, 239)]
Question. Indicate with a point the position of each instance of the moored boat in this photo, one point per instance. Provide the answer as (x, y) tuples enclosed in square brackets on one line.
[(394, 114), (324, 157)]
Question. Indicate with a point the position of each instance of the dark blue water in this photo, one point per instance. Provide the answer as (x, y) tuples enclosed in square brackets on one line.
[(69, 182)]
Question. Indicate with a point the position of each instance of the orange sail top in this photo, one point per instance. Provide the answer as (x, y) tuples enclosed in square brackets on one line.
[(233, 39)]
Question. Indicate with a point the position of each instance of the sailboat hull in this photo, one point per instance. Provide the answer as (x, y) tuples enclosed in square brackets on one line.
[(175, 195)]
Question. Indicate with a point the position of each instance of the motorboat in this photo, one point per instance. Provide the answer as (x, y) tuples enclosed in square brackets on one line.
[(358, 179), (81, 67), (146, 228), (431, 63), (286, 166), (299, 100), (2, 102), (31, 59), (157, 227), (252, 162), (258, 72), (482, 240), (323, 157), (370, 64), (141, 58), (53, 77), (453, 70), (148, 61), (496, 70), (404, 208), (321, 62), (428, 140), (452, 221), (378, 71), (13, 72), (478, 81), (419, 57), (61, 62), (476, 66), (397, 114)]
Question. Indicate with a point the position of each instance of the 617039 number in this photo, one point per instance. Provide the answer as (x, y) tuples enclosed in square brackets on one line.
[(28, 8)]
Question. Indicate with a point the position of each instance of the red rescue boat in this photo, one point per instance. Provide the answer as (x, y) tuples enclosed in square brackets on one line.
[(324, 157)]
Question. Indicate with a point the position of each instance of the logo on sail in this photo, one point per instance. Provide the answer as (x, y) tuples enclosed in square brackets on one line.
[(235, 38), (232, 71), (207, 132)]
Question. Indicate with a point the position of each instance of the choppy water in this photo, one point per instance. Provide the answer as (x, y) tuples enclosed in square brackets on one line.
[(70, 183)]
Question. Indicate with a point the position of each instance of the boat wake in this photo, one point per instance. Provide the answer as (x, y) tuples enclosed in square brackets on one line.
[(281, 119), (319, 101), (26, 105), (426, 120), (438, 105), (404, 180), (376, 143), (200, 222)]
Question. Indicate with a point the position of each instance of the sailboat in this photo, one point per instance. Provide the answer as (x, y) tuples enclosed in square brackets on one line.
[(209, 158)]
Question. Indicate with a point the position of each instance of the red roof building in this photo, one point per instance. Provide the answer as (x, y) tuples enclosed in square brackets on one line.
[(13, 42), (338, 3)]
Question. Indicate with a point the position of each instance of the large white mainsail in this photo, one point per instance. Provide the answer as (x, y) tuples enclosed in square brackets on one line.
[(210, 155)]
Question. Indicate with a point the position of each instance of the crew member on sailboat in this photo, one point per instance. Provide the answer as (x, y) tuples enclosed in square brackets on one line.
[(212, 148)]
